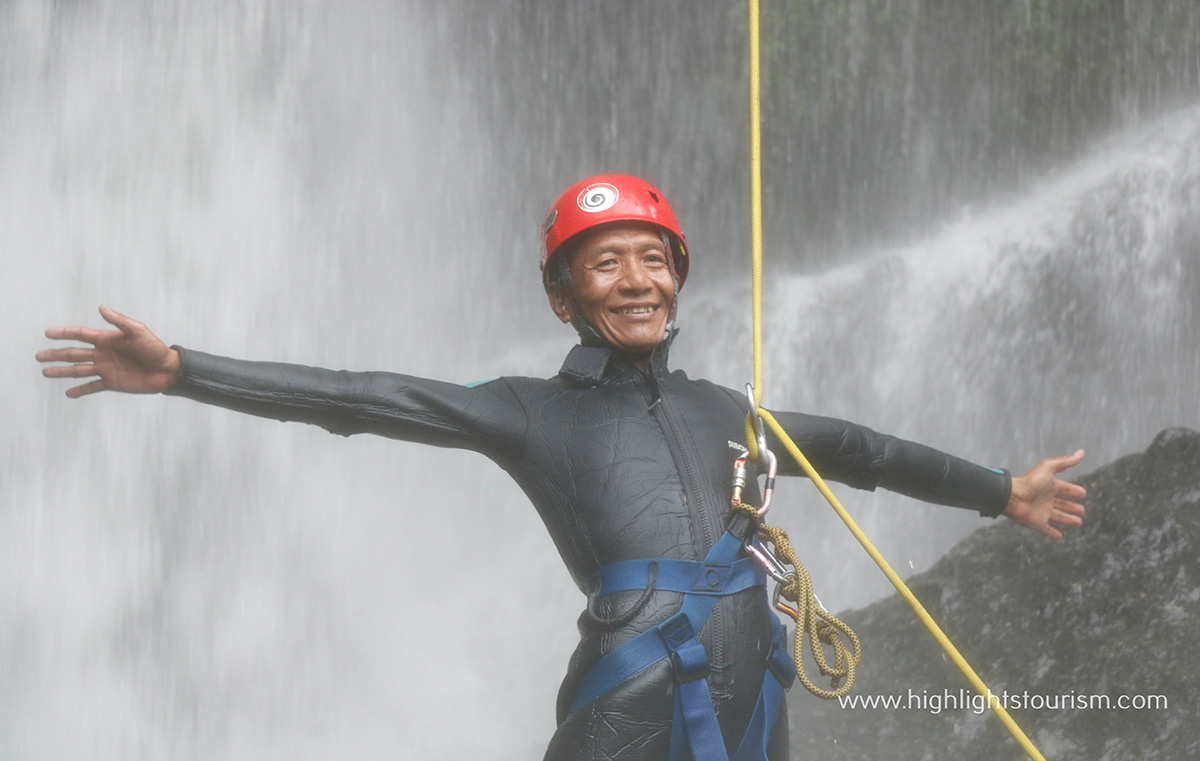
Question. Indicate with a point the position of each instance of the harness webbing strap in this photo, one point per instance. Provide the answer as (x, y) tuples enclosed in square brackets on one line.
[(694, 726), (695, 733), (780, 674), (688, 576), (649, 647)]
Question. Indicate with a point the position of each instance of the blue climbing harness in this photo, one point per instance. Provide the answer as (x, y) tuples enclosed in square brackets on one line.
[(695, 732)]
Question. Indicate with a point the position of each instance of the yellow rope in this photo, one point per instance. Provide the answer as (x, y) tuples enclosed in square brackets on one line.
[(893, 577), (821, 625), (756, 198)]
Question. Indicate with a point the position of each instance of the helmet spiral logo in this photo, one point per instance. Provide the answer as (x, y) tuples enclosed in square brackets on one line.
[(598, 197)]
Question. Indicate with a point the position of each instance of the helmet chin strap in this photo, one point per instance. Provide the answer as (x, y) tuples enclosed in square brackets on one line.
[(670, 330), (588, 336)]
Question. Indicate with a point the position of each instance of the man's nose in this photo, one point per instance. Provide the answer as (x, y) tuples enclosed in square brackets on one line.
[(636, 278)]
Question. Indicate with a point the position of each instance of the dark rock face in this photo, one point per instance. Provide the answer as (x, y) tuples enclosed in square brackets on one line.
[(1108, 614)]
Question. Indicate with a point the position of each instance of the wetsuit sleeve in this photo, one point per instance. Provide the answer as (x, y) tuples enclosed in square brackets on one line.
[(860, 457), (489, 418)]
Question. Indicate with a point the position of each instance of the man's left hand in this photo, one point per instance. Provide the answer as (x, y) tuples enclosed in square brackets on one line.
[(1040, 500)]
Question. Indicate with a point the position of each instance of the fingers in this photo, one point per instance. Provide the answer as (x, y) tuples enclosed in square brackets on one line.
[(83, 359), (1068, 489), (1067, 505), (75, 333), (125, 324), (1068, 514), (87, 388), (71, 354), (1059, 464), (70, 371)]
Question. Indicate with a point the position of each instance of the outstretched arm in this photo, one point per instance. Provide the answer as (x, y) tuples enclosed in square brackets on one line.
[(1040, 499), (865, 459), (130, 359), (487, 418), (857, 456)]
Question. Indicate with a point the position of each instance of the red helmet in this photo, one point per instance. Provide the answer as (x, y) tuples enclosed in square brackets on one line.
[(611, 198)]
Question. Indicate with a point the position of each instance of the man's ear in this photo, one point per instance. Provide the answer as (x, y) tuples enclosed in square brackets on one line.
[(558, 302)]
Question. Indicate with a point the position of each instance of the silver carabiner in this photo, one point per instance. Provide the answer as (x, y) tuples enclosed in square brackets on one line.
[(760, 431), (775, 569)]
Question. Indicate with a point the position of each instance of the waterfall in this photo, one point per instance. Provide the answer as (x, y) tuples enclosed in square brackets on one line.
[(296, 182), (1066, 318), (249, 178)]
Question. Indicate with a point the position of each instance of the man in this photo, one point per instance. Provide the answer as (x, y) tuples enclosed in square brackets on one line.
[(630, 467)]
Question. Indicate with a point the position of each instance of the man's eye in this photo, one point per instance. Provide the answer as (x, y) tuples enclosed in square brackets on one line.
[(607, 264)]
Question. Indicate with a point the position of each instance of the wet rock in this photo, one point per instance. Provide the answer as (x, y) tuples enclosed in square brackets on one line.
[(1091, 641)]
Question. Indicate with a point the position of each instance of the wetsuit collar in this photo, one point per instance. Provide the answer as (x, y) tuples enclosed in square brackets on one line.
[(588, 365)]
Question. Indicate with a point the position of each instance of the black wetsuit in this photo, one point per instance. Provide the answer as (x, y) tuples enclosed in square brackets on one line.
[(623, 462)]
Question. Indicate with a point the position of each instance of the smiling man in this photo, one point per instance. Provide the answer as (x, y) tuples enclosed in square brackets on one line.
[(629, 465), (623, 288), (613, 261)]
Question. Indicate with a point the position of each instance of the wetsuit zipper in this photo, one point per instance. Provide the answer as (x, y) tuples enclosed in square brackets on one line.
[(662, 412)]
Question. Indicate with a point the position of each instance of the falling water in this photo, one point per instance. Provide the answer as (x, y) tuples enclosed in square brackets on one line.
[(283, 181), (181, 583), (1066, 319)]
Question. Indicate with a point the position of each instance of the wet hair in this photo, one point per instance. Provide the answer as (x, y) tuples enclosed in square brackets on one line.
[(558, 274), (563, 266)]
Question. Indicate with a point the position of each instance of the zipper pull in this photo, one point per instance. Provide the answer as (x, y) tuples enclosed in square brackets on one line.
[(655, 392)]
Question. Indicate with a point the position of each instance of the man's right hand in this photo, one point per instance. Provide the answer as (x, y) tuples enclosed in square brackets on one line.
[(130, 359)]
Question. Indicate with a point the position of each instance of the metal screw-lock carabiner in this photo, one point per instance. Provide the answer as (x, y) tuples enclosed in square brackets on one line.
[(739, 481), (771, 564)]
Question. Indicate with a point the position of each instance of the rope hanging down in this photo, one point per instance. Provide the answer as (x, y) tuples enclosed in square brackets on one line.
[(892, 576), (820, 625)]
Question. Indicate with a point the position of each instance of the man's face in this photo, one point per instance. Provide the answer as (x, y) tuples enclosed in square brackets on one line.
[(624, 286)]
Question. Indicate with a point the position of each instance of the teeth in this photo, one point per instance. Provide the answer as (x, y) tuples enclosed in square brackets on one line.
[(636, 310)]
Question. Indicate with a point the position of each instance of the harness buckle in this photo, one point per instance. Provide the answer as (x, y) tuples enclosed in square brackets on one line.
[(689, 662), (689, 670), (676, 631)]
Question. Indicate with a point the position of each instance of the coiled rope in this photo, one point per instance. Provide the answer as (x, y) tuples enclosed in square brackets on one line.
[(892, 576), (820, 625)]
